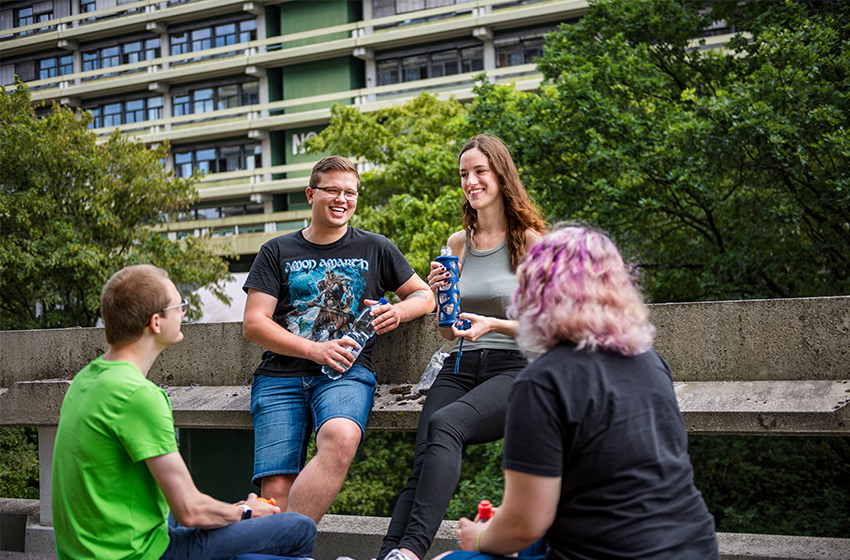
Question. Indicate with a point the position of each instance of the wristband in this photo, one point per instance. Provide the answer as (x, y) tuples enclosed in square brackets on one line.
[(478, 543), (246, 511)]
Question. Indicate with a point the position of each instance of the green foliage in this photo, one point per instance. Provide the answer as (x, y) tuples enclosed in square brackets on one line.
[(481, 478), (380, 469), (413, 194), (723, 173), (72, 212), (775, 485), (751, 484), (377, 475), (19, 463)]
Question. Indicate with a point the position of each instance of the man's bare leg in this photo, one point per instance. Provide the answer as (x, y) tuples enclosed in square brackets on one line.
[(277, 486), (316, 487)]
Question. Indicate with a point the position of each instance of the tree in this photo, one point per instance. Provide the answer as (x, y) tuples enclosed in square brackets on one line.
[(412, 193), (72, 212), (723, 173)]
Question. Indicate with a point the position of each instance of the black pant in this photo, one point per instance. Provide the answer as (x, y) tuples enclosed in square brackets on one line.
[(463, 409)]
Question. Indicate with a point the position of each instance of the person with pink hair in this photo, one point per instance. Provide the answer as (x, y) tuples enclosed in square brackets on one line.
[(595, 453)]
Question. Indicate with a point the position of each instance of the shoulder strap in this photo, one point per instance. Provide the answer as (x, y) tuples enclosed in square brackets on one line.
[(463, 253)]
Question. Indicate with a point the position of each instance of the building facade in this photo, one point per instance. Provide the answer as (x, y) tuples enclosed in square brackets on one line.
[(236, 86)]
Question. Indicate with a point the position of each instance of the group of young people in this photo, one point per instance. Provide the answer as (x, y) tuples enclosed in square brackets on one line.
[(595, 459)]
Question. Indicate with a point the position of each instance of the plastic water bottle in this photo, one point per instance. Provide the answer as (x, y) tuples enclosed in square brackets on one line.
[(360, 332), (448, 297), (435, 364)]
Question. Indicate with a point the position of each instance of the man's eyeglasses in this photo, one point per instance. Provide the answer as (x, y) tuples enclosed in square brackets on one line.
[(183, 306), (334, 192)]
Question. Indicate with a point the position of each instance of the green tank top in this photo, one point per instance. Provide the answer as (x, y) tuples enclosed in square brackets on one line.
[(486, 284)]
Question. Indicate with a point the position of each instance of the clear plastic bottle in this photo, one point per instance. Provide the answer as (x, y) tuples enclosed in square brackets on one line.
[(360, 332), (435, 364)]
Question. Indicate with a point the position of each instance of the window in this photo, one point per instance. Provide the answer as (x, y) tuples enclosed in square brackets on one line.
[(384, 8), (387, 72), (213, 37), (125, 53), (41, 12), (472, 59), (216, 98), (414, 68), (231, 210), (126, 112), (516, 51), (55, 66), (25, 16), (218, 160), (87, 6), (139, 51), (430, 65)]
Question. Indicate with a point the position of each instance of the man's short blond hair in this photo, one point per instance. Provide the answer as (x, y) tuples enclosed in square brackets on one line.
[(129, 299)]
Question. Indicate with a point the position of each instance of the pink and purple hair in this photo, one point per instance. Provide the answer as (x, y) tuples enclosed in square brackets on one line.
[(574, 286)]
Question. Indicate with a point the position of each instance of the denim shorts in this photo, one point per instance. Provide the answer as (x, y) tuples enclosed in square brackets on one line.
[(285, 410)]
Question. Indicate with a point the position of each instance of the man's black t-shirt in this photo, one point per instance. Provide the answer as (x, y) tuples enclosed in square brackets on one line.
[(320, 289), (610, 426)]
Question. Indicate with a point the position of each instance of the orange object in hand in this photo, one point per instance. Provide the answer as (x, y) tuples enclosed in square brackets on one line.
[(272, 501), (485, 510)]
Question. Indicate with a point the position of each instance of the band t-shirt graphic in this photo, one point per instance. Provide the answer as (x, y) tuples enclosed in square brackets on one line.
[(320, 289)]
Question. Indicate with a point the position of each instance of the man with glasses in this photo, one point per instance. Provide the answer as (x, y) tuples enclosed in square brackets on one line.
[(304, 291), (116, 468)]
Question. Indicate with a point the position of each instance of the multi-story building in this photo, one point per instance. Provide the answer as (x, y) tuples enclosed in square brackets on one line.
[(236, 86)]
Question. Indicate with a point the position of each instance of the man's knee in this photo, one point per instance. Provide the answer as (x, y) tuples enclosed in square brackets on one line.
[(341, 437), (277, 486)]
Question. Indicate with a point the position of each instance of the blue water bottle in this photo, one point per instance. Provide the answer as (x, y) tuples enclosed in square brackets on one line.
[(448, 297)]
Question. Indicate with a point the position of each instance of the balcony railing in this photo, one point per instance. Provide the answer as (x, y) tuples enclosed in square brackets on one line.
[(152, 11), (242, 119)]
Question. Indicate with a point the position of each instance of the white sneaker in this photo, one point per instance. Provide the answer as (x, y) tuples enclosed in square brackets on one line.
[(396, 554)]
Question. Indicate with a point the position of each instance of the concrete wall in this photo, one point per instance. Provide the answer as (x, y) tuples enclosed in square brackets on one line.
[(787, 339)]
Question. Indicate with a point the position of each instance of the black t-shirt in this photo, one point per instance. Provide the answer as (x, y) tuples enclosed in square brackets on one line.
[(320, 289), (610, 426)]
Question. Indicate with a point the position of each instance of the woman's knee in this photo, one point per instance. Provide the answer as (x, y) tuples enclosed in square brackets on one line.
[(445, 427)]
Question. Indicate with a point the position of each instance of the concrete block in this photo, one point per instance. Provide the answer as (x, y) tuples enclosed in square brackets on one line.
[(742, 546), (40, 539), (755, 340), (360, 537), (13, 522)]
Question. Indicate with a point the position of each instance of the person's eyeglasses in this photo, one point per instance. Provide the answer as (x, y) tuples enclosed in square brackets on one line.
[(183, 306), (334, 192)]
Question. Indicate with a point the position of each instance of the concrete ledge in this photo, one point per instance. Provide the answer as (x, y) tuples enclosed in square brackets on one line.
[(360, 538), (708, 407), (766, 407), (743, 546)]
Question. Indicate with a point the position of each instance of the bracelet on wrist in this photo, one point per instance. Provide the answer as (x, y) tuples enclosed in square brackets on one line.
[(478, 542)]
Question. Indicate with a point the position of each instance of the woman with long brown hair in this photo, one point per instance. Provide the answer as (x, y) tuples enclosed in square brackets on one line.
[(467, 403)]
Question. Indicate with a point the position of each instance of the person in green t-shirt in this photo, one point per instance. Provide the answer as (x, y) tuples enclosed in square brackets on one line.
[(116, 468)]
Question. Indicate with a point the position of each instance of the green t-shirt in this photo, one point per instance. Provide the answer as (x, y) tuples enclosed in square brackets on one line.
[(106, 503)]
